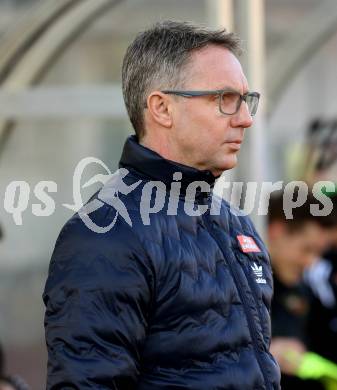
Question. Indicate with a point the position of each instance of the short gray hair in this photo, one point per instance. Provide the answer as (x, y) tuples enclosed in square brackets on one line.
[(156, 58)]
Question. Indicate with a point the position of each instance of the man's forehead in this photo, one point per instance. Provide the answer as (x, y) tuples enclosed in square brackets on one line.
[(219, 67), (231, 86)]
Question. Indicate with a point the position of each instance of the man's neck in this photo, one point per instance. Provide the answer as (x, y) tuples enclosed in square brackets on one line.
[(167, 149), (160, 146)]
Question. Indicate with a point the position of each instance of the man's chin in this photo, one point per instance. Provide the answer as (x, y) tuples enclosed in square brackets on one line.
[(230, 163), (224, 166)]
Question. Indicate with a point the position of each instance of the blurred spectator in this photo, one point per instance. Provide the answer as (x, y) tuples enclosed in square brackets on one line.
[(322, 280), (294, 245)]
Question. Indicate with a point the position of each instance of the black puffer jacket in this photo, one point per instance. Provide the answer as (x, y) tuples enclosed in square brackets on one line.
[(174, 304)]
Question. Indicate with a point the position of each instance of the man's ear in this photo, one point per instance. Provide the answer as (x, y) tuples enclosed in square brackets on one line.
[(160, 109)]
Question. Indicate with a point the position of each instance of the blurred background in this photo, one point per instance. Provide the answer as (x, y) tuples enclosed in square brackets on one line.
[(61, 101)]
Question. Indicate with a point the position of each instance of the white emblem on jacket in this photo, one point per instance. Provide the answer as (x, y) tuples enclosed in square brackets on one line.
[(258, 271)]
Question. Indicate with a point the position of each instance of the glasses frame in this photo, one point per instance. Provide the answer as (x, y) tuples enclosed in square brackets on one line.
[(219, 93)]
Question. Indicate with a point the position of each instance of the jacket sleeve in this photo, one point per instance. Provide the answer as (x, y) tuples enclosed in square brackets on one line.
[(97, 297)]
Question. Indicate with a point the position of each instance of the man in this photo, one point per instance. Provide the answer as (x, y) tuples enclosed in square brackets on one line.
[(180, 299), (294, 245)]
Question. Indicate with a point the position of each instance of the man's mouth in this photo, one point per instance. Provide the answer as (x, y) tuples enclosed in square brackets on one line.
[(236, 144)]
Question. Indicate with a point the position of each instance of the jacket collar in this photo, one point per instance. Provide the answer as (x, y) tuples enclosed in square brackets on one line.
[(152, 166)]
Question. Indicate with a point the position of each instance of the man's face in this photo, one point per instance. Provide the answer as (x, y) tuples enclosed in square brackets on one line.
[(205, 138)]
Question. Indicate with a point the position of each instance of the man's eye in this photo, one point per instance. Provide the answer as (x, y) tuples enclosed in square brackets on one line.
[(229, 97), (229, 102)]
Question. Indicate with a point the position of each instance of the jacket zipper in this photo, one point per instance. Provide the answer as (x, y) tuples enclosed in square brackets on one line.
[(251, 324)]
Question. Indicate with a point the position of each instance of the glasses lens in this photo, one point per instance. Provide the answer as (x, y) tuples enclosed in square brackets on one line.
[(252, 101), (229, 102)]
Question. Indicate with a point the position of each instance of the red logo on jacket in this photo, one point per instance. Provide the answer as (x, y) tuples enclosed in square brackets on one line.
[(248, 244)]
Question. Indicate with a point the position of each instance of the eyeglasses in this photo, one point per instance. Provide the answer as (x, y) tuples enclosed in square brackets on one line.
[(229, 101)]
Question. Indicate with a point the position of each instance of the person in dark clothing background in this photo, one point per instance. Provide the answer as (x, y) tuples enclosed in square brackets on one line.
[(294, 245), (172, 295), (321, 278)]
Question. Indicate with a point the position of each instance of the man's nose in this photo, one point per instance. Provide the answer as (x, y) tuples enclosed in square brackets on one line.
[(242, 118)]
